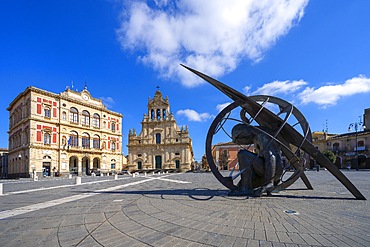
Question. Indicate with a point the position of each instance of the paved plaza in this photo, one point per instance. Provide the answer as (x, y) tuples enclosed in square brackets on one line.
[(185, 209)]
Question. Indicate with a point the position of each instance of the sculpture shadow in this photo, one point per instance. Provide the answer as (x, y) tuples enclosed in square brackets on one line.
[(205, 194)]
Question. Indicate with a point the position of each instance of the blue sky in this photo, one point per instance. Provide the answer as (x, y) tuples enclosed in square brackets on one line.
[(314, 54)]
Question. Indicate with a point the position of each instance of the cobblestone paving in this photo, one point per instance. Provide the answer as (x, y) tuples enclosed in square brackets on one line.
[(190, 209)]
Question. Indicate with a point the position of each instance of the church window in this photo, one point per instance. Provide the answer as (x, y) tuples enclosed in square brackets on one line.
[(152, 114), (158, 114), (158, 138), (164, 114)]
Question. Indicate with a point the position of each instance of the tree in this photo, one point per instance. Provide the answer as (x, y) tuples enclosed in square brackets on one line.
[(330, 155), (223, 160)]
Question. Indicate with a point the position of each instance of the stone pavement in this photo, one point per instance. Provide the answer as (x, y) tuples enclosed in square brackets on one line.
[(189, 209)]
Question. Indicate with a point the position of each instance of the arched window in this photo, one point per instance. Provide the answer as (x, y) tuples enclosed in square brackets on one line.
[(47, 138), (73, 115), (96, 141), (113, 127), (113, 146), (158, 114), (85, 140), (64, 116), (96, 120), (158, 138), (152, 114), (164, 114), (104, 125), (73, 139), (113, 164), (85, 118)]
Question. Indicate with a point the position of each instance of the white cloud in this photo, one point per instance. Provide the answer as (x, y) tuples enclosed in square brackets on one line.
[(276, 87), (330, 94), (107, 101), (220, 107), (212, 36), (247, 89), (194, 116)]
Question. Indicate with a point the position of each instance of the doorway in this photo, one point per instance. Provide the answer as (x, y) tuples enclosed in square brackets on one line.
[(158, 162)]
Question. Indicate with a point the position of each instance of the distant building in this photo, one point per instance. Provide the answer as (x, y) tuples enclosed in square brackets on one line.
[(225, 155), (161, 144), (3, 162), (70, 132), (351, 149)]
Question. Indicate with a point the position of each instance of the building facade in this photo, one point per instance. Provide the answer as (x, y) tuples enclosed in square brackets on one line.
[(352, 148), (3, 162), (59, 134), (161, 144)]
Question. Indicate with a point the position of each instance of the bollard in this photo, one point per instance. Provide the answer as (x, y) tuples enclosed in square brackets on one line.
[(102, 174), (1, 189), (115, 176), (78, 180), (133, 175), (159, 173), (70, 176), (153, 173), (36, 178), (144, 174)]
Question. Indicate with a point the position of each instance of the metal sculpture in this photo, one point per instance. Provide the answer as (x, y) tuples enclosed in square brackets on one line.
[(277, 133)]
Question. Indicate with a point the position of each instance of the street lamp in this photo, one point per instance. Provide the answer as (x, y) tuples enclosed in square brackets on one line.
[(356, 125)]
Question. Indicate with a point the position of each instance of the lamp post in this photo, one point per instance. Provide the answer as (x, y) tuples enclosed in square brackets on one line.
[(356, 126)]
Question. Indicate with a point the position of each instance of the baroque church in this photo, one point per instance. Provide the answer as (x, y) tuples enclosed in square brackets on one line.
[(161, 144)]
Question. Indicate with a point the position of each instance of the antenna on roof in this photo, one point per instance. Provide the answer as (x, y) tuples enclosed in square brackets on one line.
[(85, 87), (72, 85)]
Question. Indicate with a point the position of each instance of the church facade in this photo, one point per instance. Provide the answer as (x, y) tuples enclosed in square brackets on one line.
[(161, 144), (59, 134)]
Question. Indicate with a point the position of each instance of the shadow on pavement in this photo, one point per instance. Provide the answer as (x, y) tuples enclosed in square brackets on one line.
[(204, 194)]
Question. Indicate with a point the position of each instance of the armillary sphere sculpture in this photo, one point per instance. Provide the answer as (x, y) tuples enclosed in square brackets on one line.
[(287, 133)]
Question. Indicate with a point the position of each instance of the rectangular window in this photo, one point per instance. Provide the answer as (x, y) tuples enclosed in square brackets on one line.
[(74, 141), (96, 143), (85, 142), (158, 138), (73, 117), (46, 138), (96, 122), (112, 166), (47, 112)]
